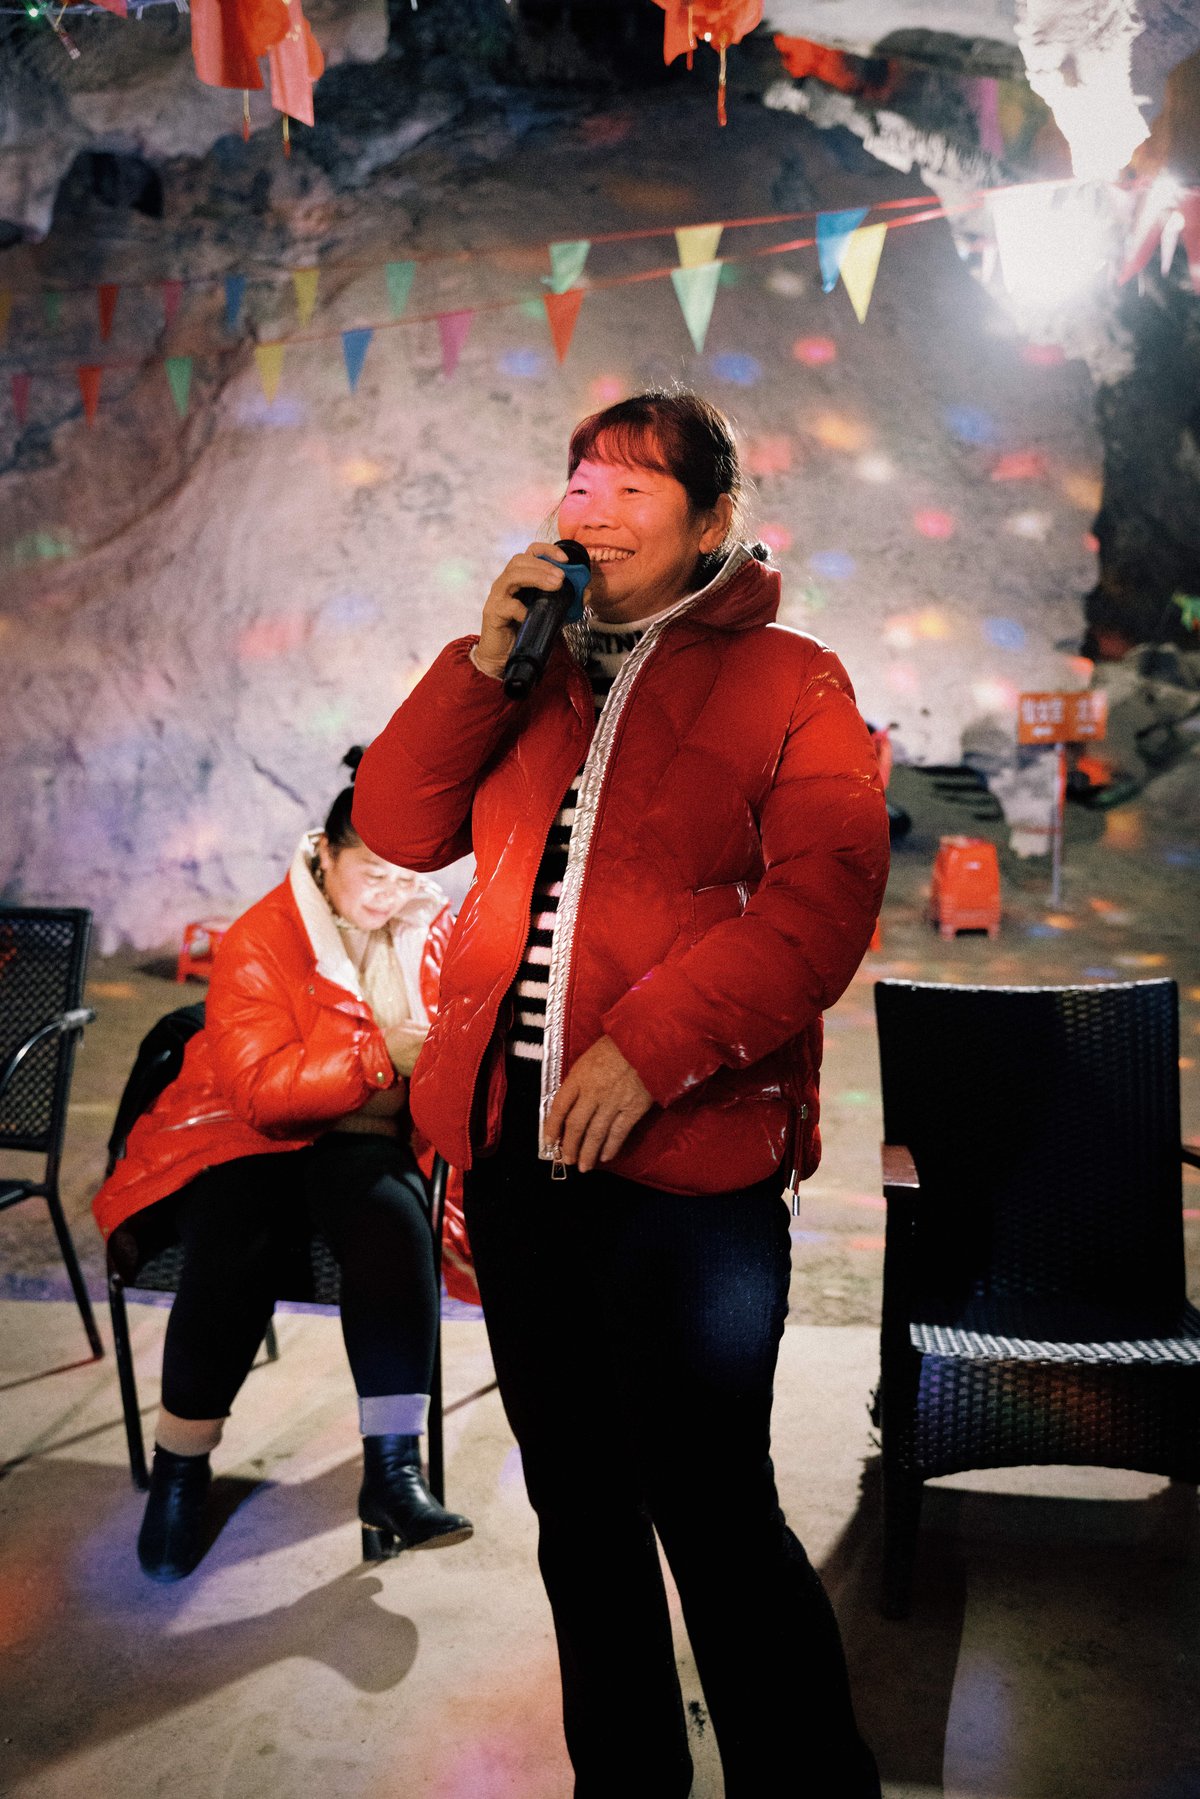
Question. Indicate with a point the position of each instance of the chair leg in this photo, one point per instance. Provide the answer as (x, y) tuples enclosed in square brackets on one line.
[(74, 1272), (437, 1452), (271, 1341), (902, 1492), (129, 1399)]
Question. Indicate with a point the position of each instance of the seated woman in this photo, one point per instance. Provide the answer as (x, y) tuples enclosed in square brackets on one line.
[(291, 1111)]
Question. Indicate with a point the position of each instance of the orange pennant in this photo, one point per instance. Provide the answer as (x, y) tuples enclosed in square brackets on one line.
[(89, 387), (562, 310)]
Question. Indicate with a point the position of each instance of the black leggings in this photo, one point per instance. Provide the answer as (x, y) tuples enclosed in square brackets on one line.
[(239, 1222)]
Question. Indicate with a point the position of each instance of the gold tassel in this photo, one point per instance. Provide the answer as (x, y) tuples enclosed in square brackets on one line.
[(722, 116), (287, 137), (245, 115)]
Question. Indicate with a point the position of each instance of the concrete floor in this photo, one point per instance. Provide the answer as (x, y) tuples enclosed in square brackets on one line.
[(1052, 1650)]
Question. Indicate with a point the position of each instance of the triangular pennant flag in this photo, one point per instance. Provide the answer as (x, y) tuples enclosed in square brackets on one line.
[(20, 396), (562, 310), (1189, 206), (106, 300), (53, 308), (235, 293), (89, 387), (697, 244), (399, 285), (172, 298), (355, 345), (6, 306), (305, 283), (567, 263), (860, 263), (179, 374), (696, 289), (834, 231), (269, 358), (453, 328)]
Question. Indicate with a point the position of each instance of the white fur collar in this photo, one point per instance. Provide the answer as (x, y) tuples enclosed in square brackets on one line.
[(409, 927)]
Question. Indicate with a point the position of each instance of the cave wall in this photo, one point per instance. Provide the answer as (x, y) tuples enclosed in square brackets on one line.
[(199, 616)]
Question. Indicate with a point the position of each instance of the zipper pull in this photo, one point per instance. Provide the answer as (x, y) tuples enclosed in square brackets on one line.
[(792, 1192), (558, 1168)]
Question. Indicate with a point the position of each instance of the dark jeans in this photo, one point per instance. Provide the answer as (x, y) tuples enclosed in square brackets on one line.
[(240, 1221), (635, 1336)]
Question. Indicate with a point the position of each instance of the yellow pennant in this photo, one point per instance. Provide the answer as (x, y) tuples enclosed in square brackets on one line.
[(6, 306), (860, 262), (697, 244), (305, 283), (269, 358)]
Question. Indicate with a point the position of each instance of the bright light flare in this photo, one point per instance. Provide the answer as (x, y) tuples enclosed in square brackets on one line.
[(1054, 240), (995, 696)]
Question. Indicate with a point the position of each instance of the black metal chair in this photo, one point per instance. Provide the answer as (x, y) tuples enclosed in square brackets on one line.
[(1034, 1307), (43, 958), (309, 1274)]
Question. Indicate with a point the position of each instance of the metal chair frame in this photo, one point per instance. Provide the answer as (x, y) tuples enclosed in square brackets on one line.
[(1034, 1305), (50, 1096)]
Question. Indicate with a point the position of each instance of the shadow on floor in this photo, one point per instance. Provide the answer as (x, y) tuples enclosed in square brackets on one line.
[(96, 1650), (1054, 1629)]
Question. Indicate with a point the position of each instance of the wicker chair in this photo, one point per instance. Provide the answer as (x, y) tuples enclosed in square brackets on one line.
[(308, 1274), (1034, 1308), (43, 957)]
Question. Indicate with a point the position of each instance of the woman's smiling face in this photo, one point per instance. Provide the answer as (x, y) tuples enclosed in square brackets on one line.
[(643, 538)]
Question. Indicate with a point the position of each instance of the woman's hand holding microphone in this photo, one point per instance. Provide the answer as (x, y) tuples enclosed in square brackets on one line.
[(504, 613)]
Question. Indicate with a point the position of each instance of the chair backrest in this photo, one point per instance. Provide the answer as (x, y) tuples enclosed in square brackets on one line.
[(43, 956), (1044, 1123), (158, 1061)]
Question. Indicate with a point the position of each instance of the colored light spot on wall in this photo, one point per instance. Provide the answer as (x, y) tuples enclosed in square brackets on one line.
[(1020, 465), (1091, 543), (281, 413), (1186, 1062), (835, 431), (1193, 993), (348, 612), (1082, 667), (1123, 830), (522, 364), (814, 351), (788, 283), (770, 455), (1033, 526), (1083, 490), (734, 366), (533, 309), (605, 130), (361, 471), (929, 522), (1061, 921), (1101, 974), (995, 696), (41, 546), (1043, 356), (813, 597), (832, 565), (111, 989), (1005, 633), (970, 424), (931, 625), (606, 390), (875, 468), (776, 537), (267, 638), (865, 1242), (900, 633), (333, 720), (730, 276), (901, 678), (1141, 959), (454, 573)]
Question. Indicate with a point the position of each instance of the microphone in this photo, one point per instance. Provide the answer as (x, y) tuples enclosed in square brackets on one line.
[(547, 614)]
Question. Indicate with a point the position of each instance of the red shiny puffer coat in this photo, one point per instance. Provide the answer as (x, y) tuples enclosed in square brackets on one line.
[(728, 861), (289, 1045)]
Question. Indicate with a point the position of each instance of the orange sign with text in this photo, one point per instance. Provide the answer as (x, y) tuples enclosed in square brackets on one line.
[(1062, 717)]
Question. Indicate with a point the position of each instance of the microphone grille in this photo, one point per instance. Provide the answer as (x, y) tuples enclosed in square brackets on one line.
[(575, 551)]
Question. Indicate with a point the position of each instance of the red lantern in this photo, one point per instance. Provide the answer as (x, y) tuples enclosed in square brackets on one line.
[(716, 22)]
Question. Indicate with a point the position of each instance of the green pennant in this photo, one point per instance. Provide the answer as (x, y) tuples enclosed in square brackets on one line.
[(54, 302), (696, 289), (399, 285), (567, 262), (179, 374)]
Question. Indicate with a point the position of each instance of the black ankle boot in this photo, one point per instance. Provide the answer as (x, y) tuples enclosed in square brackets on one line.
[(171, 1540), (395, 1507)]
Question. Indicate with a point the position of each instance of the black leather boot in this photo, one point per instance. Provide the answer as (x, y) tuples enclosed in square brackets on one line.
[(395, 1507), (171, 1540)]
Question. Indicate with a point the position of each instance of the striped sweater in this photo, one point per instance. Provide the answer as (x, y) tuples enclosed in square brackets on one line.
[(606, 655)]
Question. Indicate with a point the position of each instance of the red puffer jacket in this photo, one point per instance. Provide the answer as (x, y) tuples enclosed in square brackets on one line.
[(727, 865), (289, 1045)]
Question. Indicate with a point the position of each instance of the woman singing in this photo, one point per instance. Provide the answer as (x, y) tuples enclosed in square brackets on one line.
[(291, 1111), (681, 847)]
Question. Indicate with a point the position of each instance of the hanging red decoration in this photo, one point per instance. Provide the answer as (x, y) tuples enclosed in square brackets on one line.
[(718, 23), (229, 37)]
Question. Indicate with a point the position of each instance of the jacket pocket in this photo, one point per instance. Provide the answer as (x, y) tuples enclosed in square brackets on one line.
[(704, 907)]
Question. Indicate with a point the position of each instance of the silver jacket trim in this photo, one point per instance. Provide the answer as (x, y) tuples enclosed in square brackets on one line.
[(591, 783)]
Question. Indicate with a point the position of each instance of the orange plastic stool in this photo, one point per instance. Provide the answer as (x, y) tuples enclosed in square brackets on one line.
[(201, 941), (966, 887)]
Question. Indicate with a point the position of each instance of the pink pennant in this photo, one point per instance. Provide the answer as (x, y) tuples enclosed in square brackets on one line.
[(89, 387), (453, 329), (172, 299), (107, 302), (20, 396)]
